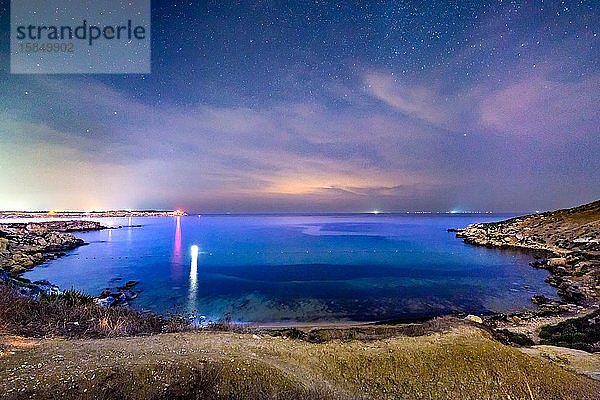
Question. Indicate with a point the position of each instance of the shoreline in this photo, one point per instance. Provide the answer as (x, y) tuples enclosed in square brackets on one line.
[(24, 245), (568, 239), (528, 320)]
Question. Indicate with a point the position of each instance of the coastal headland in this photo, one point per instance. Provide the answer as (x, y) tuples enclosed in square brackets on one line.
[(567, 242), (25, 245)]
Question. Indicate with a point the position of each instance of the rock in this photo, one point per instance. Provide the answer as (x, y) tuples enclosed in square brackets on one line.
[(105, 302), (515, 320), (538, 264), (557, 261), (37, 228), (23, 246), (474, 318), (18, 270), (128, 295), (540, 299)]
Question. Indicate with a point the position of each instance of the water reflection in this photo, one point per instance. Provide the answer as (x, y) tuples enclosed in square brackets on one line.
[(176, 256), (193, 277), (177, 249), (129, 230)]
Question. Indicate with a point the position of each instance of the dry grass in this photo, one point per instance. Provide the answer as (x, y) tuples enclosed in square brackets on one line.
[(465, 363), (442, 359), (75, 315)]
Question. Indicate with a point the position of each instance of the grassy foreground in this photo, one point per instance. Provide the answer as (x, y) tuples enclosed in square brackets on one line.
[(66, 346), (462, 363)]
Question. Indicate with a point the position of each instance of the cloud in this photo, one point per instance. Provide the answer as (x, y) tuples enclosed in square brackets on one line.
[(416, 101), (196, 151), (536, 106)]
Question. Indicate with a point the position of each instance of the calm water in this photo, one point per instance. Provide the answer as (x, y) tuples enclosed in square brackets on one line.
[(301, 268)]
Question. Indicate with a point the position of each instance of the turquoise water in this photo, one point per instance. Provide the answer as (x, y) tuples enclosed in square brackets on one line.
[(296, 268)]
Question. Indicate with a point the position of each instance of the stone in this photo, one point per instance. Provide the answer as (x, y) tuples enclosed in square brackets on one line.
[(515, 320), (474, 318), (18, 270), (557, 262), (540, 299), (105, 302)]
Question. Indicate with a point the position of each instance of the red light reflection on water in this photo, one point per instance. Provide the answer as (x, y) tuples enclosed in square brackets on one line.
[(176, 255)]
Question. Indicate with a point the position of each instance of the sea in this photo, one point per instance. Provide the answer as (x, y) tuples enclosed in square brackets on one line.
[(292, 269)]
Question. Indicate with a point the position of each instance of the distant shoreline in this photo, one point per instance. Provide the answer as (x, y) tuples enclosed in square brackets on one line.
[(91, 214)]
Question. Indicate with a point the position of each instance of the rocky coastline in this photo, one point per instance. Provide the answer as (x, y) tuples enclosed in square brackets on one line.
[(25, 245), (564, 242), (567, 244)]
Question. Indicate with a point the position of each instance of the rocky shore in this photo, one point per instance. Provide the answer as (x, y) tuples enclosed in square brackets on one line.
[(25, 245), (565, 242)]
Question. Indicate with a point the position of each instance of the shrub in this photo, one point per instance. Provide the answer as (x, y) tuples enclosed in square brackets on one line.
[(74, 314)]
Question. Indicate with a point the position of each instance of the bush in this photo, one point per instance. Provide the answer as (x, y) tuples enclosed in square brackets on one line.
[(581, 333), (74, 314), (69, 297)]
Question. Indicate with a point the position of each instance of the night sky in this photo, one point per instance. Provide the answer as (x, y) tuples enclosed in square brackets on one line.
[(270, 106)]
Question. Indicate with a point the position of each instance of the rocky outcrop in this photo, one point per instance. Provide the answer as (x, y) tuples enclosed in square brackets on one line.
[(567, 243), (28, 288), (119, 296), (25, 245)]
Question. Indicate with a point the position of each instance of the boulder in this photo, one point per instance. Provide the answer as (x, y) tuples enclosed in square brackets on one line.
[(540, 299), (557, 262), (474, 318), (105, 302)]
